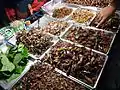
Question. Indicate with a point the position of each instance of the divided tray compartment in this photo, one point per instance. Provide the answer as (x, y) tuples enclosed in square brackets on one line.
[(30, 42), (51, 26), (67, 64), (7, 85), (97, 3), (77, 17), (111, 24), (61, 7), (38, 43), (48, 77), (76, 32)]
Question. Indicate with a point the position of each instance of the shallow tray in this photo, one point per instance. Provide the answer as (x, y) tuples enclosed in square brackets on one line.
[(113, 29), (92, 28), (86, 23), (48, 70), (43, 22), (47, 7), (61, 5), (77, 80), (13, 41)]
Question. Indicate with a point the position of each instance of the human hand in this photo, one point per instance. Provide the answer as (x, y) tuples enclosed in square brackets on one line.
[(30, 9), (104, 14)]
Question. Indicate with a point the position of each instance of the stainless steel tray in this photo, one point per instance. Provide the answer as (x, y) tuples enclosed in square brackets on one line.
[(13, 40), (54, 2), (61, 5), (49, 5), (56, 72), (118, 13), (86, 23), (92, 28), (44, 22), (77, 80), (114, 36)]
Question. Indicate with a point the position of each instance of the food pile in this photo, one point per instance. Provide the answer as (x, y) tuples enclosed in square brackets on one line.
[(93, 39), (62, 12), (43, 77), (79, 62), (56, 27), (65, 50), (110, 25), (97, 3), (82, 16), (36, 41)]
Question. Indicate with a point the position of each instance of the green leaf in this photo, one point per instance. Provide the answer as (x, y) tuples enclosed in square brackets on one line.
[(18, 57), (20, 47), (13, 76), (25, 53), (19, 69), (23, 50), (7, 65)]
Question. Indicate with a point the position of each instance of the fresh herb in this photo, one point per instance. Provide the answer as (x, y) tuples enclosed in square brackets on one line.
[(13, 62)]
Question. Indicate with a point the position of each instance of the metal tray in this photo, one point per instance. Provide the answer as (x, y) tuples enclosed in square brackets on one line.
[(13, 40), (114, 36), (43, 22), (49, 6), (86, 23), (46, 6), (92, 28), (118, 13), (8, 85), (75, 79), (61, 5), (55, 71)]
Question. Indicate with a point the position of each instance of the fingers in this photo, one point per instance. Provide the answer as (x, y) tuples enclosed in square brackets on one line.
[(100, 19), (30, 9), (101, 22)]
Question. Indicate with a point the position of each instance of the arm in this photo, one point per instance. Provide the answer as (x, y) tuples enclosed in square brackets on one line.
[(106, 12)]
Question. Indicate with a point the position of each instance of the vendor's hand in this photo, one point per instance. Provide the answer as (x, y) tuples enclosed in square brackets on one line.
[(104, 14), (30, 9)]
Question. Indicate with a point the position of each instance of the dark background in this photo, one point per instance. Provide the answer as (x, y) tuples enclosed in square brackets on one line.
[(110, 79)]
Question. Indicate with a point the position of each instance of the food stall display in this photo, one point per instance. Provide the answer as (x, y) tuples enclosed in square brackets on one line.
[(56, 27), (69, 51), (44, 77), (110, 25), (97, 3), (79, 62), (94, 39), (82, 15), (35, 41), (62, 12)]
